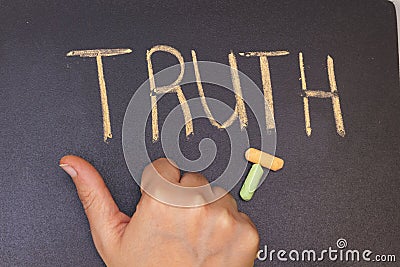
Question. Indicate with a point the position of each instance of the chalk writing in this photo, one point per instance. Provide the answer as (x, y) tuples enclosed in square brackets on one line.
[(98, 53), (266, 82), (172, 88), (240, 109), (333, 94)]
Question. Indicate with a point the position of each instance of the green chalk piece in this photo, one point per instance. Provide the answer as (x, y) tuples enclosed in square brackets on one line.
[(251, 182)]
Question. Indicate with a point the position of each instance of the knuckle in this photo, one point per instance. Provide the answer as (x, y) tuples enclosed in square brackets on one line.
[(195, 178), (225, 220), (197, 199), (250, 235), (219, 192), (253, 237)]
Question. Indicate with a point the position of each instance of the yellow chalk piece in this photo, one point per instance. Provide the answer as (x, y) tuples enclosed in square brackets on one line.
[(251, 183), (264, 159)]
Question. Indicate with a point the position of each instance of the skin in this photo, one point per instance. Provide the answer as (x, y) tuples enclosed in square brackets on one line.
[(158, 234)]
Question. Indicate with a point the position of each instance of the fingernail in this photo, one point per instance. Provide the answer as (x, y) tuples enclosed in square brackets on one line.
[(68, 169)]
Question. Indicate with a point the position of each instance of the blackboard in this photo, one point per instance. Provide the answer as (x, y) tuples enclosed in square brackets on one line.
[(336, 182)]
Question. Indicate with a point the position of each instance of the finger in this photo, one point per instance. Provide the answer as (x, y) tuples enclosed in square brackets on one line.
[(159, 181), (161, 168), (105, 219), (193, 179), (200, 188)]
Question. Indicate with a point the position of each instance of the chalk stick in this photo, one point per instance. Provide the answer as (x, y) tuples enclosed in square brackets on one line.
[(264, 159), (251, 182)]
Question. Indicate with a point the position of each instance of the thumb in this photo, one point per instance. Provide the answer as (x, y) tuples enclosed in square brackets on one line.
[(107, 223)]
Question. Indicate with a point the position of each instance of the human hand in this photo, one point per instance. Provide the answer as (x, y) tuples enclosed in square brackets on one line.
[(216, 234)]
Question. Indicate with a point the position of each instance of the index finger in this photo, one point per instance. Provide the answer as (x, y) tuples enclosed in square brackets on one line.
[(160, 168)]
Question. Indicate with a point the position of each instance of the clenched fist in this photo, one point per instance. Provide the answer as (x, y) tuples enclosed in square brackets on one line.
[(158, 234)]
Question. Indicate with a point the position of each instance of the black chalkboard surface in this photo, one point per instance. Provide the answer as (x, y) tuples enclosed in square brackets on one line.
[(340, 179)]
